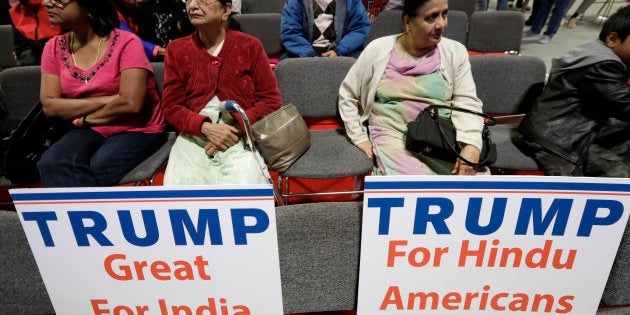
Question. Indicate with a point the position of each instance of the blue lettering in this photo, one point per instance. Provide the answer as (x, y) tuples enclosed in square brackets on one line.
[(496, 217), (129, 230), (41, 218), (559, 211), (422, 216), (81, 231), (590, 218), (208, 218), (241, 229), (385, 205)]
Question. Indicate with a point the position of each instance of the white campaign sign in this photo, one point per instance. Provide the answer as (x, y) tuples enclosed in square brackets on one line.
[(155, 250), (489, 244)]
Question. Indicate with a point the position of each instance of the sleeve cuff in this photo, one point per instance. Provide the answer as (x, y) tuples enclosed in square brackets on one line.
[(155, 51)]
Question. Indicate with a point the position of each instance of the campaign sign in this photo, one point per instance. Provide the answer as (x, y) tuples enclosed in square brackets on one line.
[(204, 250), (489, 244)]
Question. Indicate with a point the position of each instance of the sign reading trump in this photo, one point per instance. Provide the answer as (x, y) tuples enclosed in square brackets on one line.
[(204, 250), (489, 244)]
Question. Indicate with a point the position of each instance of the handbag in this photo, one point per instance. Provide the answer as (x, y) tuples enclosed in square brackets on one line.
[(25, 145), (282, 137), (435, 136)]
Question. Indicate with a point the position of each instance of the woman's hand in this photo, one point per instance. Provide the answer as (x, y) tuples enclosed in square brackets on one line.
[(373, 16), (221, 136), (211, 149), (470, 153), (366, 147), (330, 53)]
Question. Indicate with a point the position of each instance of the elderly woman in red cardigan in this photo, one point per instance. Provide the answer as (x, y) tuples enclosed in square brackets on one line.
[(215, 64)]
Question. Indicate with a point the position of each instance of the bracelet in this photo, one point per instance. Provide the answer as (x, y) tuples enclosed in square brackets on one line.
[(75, 122), (84, 122)]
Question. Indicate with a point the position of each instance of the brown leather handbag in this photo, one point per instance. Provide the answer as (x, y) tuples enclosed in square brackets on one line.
[(282, 137)]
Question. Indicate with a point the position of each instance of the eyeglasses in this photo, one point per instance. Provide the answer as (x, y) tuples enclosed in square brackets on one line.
[(57, 3), (201, 2)]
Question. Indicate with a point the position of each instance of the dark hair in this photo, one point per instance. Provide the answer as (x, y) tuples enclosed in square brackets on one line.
[(232, 23), (102, 15), (618, 23), (410, 7)]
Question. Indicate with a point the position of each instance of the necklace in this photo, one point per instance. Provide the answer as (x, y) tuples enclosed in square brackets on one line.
[(98, 50)]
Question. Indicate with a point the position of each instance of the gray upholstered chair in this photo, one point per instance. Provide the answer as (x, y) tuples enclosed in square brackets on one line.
[(19, 92), (319, 260), (262, 6), (468, 6), (388, 22), (319, 249), (508, 85), (312, 84), (457, 26), (266, 27), (495, 31), (7, 60)]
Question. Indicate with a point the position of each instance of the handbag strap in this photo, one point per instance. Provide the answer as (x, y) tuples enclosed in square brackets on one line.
[(488, 121)]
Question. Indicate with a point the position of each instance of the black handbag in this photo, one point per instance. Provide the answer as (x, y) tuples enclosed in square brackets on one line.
[(25, 145), (435, 136)]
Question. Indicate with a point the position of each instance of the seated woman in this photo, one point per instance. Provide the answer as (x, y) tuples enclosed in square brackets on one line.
[(215, 64), (99, 77), (395, 78)]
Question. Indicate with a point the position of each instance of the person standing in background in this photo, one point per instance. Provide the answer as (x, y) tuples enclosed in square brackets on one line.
[(560, 8), (483, 5)]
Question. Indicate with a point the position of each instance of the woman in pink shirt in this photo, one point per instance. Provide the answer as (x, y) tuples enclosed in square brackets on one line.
[(99, 78)]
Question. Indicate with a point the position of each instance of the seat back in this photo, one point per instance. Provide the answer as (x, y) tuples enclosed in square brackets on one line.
[(7, 60), (312, 84), (22, 289), (19, 92), (616, 292), (319, 255), (262, 6), (495, 31), (508, 84), (265, 27), (390, 22), (387, 23), (468, 6), (457, 28), (158, 72)]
